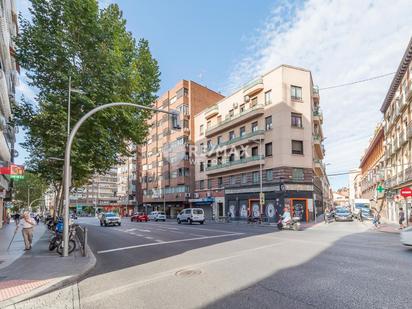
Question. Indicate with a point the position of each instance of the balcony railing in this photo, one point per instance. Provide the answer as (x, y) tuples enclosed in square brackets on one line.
[(251, 84), (231, 118), (239, 138), (228, 164), (211, 111)]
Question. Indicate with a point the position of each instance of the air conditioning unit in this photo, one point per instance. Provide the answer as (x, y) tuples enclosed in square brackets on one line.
[(235, 105), (187, 194), (196, 195), (247, 98)]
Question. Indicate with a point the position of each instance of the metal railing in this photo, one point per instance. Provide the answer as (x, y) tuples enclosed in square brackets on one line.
[(236, 162), (239, 138), (81, 233)]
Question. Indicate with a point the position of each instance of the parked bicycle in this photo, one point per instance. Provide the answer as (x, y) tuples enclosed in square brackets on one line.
[(56, 242)]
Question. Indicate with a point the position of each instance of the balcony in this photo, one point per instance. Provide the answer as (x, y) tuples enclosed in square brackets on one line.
[(229, 122), (233, 165), (211, 111), (253, 87), (320, 150), (319, 167), (317, 115), (4, 99), (408, 93), (244, 139), (315, 93)]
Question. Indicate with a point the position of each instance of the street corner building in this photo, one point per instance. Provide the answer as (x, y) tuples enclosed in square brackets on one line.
[(264, 141), (8, 81), (397, 123)]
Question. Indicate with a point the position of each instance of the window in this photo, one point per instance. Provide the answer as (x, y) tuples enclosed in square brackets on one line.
[(255, 151), (209, 183), (296, 120), (297, 147), (209, 122), (268, 123), (185, 123), (268, 97), (231, 113), (220, 182), (173, 100), (241, 131), (201, 129), (209, 145), (296, 93), (244, 178), (202, 147), (219, 160), (209, 163), (254, 126), (242, 154), (201, 184), (268, 150), (183, 109), (219, 139), (298, 174), (254, 102), (242, 108), (231, 135), (255, 177), (202, 166), (232, 180), (269, 175), (232, 157)]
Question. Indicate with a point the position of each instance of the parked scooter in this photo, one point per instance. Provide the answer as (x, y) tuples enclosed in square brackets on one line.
[(294, 224)]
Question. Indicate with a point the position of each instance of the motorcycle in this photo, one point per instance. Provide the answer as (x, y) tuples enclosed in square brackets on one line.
[(293, 224)]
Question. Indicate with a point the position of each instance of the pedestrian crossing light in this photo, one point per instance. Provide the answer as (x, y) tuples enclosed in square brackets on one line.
[(262, 198)]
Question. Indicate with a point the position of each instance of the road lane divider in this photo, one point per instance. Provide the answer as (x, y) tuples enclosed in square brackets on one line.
[(167, 242)]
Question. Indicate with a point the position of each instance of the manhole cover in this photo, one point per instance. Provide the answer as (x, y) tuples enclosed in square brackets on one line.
[(188, 273)]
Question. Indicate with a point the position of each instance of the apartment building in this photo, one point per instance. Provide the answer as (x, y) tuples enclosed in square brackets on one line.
[(372, 170), (263, 142), (398, 136), (8, 81), (165, 161)]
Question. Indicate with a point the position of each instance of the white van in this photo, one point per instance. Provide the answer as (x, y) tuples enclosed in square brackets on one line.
[(191, 215)]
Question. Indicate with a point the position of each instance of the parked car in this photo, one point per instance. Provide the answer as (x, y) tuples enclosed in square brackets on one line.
[(157, 216), (110, 218), (191, 215), (343, 214), (406, 236), (139, 217)]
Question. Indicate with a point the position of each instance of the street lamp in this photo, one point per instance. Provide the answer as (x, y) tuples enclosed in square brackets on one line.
[(67, 154), (79, 91), (261, 174)]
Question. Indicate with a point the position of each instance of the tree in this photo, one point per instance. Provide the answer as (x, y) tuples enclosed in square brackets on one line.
[(26, 190), (74, 38)]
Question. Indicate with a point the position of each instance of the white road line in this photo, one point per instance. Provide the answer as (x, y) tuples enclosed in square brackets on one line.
[(158, 240), (197, 235), (148, 237), (167, 242)]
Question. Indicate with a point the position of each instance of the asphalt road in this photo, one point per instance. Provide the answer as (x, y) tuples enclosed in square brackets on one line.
[(165, 265)]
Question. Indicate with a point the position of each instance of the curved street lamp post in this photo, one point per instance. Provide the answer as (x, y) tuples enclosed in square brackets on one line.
[(66, 171)]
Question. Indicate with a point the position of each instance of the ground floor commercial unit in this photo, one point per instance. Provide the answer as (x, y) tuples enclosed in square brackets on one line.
[(122, 210)]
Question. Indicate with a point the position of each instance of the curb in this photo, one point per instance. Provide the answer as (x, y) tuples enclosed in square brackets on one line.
[(56, 284)]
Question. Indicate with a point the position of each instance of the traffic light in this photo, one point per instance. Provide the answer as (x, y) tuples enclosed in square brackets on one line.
[(175, 120)]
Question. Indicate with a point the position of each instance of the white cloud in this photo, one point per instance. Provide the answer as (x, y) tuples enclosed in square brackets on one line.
[(339, 41)]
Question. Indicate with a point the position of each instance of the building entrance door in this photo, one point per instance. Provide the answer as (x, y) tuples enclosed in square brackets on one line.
[(220, 209), (300, 209)]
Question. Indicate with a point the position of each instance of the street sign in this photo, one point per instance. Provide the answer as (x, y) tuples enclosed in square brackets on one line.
[(380, 189), (262, 198), (406, 192)]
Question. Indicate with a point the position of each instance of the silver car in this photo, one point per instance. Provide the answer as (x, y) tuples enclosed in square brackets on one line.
[(110, 218)]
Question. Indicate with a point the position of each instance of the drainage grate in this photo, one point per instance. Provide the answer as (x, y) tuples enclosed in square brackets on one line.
[(188, 273)]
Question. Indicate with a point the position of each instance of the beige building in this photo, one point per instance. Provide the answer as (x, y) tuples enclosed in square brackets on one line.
[(397, 112), (265, 137), (165, 163), (8, 81)]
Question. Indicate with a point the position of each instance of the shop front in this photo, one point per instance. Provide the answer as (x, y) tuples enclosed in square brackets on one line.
[(206, 204)]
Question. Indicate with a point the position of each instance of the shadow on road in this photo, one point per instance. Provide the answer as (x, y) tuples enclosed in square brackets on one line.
[(364, 270)]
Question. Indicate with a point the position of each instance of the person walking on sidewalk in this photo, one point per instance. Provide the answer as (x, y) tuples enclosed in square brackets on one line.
[(27, 224), (16, 218), (401, 218)]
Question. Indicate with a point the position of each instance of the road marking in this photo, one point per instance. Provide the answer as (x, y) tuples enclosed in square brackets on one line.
[(148, 237), (167, 242), (197, 235)]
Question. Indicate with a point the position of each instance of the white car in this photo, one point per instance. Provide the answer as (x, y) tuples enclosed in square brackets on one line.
[(406, 236), (157, 216), (191, 215)]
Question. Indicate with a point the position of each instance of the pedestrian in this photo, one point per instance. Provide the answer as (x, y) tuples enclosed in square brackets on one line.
[(401, 218), (229, 215), (27, 223), (17, 218), (360, 215), (376, 218)]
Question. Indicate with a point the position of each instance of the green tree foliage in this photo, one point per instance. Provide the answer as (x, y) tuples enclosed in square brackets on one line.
[(74, 38), (31, 182)]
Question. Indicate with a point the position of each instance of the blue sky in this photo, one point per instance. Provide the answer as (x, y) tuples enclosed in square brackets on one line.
[(222, 44)]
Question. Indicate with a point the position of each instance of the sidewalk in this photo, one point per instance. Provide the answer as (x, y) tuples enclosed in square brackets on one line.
[(38, 270)]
